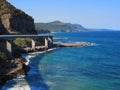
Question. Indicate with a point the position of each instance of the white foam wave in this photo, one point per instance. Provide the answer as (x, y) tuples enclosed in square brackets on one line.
[(26, 87), (49, 83), (51, 49), (33, 54), (94, 44), (20, 77)]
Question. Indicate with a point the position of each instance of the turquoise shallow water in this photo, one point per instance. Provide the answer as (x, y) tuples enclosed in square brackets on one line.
[(94, 67)]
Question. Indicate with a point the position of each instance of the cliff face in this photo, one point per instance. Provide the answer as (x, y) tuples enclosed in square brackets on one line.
[(2, 29), (15, 21)]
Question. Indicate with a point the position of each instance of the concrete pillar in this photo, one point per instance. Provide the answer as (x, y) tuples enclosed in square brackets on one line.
[(33, 44), (46, 42), (9, 46)]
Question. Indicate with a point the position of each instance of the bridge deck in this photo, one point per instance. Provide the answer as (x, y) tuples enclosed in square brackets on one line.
[(24, 36), (48, 40)]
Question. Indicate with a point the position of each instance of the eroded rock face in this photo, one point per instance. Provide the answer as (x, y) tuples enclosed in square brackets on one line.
[(2, 29), (15, 21), (17, 68)]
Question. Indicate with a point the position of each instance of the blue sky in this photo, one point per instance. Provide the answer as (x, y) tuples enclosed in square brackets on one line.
[(89, 13)]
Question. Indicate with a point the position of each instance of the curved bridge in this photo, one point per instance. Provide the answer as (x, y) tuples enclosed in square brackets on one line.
[(48, 40)]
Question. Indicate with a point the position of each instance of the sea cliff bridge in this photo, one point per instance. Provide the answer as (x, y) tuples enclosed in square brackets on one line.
[(48, 40)]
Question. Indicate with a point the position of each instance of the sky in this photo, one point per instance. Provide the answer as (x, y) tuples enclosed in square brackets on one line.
[(88, 13)]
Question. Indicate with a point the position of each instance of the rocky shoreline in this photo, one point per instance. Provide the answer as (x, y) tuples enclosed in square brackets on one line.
[(75, 44), (15, 69), (18, 67), (13, 21)]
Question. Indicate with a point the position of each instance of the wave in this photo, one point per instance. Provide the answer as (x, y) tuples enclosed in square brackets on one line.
[(10, 85), (91, 44), (20, 77), (94, 44), (26, 87)]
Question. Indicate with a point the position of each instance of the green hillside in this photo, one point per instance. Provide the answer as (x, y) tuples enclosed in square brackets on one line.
[(58, 26)]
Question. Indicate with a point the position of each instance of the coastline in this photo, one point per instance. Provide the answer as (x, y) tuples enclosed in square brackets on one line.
[(20, 66), (27, 56), (27, 59)]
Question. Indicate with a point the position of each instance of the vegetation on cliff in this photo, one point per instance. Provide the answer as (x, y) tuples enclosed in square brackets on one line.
[(58, 26), (3, 58)]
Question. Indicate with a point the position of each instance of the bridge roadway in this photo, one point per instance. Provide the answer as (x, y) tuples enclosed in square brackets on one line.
[(48, 40), (24, 36)]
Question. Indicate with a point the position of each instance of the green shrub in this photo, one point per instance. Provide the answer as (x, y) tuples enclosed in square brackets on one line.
[(3, 58), (22, 42)]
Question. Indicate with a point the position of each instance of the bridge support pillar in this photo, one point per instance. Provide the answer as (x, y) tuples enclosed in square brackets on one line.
[(46, 42), (33, 44), (9, 46)]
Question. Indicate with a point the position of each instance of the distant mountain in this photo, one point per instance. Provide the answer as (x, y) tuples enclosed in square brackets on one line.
[(58, 26)]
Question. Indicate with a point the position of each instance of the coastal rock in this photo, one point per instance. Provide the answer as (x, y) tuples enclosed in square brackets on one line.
[(14, 20), (74, 44), (2, 29), (17, 68)]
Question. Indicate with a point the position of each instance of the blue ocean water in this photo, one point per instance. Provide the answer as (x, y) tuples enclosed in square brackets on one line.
[(95, 67)]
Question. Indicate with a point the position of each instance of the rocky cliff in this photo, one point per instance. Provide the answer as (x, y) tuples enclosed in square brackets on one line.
[(2, 29), (14, 21)]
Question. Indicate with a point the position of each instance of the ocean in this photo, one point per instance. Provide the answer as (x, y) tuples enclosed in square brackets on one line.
[(95, 67)]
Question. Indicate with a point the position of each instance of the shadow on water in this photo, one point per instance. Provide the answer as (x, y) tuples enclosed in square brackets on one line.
[(33, 80), (34, 77)]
